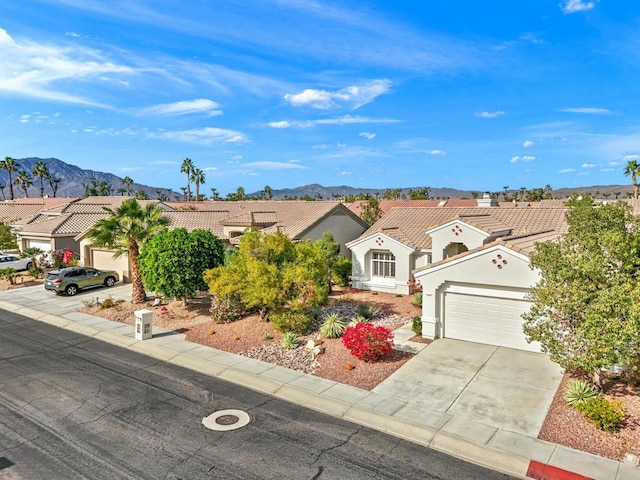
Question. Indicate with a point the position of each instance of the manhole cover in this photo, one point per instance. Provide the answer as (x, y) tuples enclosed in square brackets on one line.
[(225, 420)]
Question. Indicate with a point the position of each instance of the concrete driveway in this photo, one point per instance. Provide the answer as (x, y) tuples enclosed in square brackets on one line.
[(497, 386)]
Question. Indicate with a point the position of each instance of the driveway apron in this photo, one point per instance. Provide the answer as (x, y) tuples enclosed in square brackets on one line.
[(496, 386)]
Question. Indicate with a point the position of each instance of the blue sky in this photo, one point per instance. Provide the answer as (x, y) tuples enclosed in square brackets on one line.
[(466, 94)]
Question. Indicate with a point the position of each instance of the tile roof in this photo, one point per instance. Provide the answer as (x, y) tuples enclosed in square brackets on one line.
[(414, 222), (386, 205), (70, 224)]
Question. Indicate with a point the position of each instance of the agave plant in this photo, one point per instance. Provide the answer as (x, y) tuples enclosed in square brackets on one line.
[(289, 341), (367, 310), (356, 320), (333, 326), (578, 392)]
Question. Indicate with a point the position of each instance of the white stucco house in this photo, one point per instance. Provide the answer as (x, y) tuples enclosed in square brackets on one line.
[(472, 265)]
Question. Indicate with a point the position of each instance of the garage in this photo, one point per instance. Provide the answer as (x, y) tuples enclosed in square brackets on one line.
[(486, 319), (45, 246), (103, 259)]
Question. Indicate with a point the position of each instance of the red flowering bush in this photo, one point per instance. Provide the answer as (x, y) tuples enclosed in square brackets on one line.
[(368, 342)]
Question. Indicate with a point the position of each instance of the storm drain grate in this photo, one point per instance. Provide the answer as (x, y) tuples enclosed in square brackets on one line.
[(225, 420)]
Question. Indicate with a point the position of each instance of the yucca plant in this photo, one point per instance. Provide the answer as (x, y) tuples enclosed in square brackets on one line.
[(367, 310), (289, 341), (578, 392), (333, 326)]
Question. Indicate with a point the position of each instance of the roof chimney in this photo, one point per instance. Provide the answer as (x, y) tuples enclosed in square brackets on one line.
[(487, 201)]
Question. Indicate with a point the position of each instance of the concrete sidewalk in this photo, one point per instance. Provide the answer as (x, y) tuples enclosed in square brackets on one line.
[(459, 429)]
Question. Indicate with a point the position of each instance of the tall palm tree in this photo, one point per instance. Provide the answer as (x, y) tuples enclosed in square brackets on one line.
[(53, 183), (2, 185), (128, 181), (198, 178), (41, 171), (633, 168), (10, 165), (25, 181), (268, 192), (187, 167), (125, 230)]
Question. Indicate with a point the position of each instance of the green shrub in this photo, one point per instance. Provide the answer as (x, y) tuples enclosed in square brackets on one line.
[(289, 341), (417, 299), (578, 392), (416, 325), (35, 272), (367, 310), (605, 414), (333, 326), (341, 271), (296, 322), (9, 274), (225, 310)]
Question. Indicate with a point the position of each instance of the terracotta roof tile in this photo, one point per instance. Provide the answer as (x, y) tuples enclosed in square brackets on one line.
[(414, 222)]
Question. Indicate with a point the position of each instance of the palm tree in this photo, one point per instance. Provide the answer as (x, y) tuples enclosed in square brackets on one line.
[(187, 167), (268, 192), (214, 194), (10, 165), (2, 186), (633, 169), (128, 181), (41, 171), (125, 230), (198, 178), (25, 181), (53, 183)]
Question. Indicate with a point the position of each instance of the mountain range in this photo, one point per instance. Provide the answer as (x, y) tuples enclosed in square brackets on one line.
[(74, 181)]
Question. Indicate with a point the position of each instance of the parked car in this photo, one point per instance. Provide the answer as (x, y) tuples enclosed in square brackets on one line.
[(73, 279), (14, 261)]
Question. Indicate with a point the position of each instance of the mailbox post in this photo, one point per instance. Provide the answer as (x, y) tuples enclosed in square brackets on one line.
[(144, 319)]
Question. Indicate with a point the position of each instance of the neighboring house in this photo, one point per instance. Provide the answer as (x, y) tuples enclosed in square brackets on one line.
[(472, 264), (300, 220)]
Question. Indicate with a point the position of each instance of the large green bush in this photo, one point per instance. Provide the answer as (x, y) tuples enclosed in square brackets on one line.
[(341, 272)]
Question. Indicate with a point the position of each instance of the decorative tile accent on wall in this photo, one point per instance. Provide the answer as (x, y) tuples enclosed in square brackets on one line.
[(498, 261)]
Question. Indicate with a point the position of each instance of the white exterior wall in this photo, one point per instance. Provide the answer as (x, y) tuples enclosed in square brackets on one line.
[(477, 271), (454, 232), (343, 227), (361, 255)]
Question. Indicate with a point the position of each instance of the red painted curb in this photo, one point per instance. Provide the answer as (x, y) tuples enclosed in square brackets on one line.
[(542, 471)]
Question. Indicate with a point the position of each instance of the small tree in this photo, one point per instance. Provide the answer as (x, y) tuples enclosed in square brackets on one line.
[(173, 262), (371, 211), (269, 272), (586, 307), (7, 238), (331, 252)]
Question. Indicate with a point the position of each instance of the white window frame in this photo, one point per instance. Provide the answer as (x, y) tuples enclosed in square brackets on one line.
[(384, 261)]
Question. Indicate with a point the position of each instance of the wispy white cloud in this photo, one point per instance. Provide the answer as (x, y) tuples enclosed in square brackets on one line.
[(567, 170), (573, 6), (351, 97), (485, 114), (524, 158), (163, 162), (205, 136), (346, 174), (436, 152), (527, 144), (368, 135), (51, 72), (275, 166), (589, 165), (587, 110), (279, 124), (344, 120), (200, 105), (25, 118)]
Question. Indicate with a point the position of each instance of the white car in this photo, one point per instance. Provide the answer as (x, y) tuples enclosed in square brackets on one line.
[(15, 262)]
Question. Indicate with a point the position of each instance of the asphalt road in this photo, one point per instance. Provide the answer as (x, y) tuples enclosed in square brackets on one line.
[(73, 407)]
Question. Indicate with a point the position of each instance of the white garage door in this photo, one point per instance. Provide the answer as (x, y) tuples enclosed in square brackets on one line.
[(44, 246), (491, 320)]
